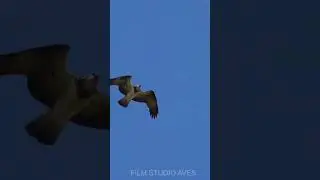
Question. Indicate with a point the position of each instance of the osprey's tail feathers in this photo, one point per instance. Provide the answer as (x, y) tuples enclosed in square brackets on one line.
[(44, 130)]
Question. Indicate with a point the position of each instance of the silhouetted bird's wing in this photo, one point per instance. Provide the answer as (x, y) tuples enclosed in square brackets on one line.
[(40, 59), (96, 114), (46, 128)]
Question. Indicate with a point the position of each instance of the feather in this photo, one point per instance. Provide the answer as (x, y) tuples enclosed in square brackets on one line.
[(150, 99)]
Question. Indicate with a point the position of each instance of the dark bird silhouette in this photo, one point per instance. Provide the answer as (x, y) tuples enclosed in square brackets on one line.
[(66, 95), (134, 92)]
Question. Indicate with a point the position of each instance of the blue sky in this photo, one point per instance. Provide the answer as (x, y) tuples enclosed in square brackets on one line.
[(164, 45)]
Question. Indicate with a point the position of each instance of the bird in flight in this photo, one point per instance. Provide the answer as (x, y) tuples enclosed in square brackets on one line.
[(134, 92), (69, 98)]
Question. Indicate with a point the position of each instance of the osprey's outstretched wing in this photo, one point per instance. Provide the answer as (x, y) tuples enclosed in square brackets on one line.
[(93, 112), (150, 99), (96, 114), (46, 128), (50, 83), (120, 80), (40, 59)]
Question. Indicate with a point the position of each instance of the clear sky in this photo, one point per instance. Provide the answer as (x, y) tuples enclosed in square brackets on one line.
[(164, 45)]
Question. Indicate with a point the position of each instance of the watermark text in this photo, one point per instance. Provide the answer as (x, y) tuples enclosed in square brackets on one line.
[(162, 172)]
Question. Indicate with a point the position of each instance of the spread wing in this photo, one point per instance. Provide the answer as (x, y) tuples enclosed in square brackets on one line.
[(150, 99), (47, 128), (51, 58), (96, 114), (120, 80)]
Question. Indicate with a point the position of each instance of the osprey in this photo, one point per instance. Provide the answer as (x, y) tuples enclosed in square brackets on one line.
[(134, 92), (69, 98)]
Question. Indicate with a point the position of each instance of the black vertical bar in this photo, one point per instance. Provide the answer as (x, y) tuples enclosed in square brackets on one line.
[(108, 52), (215, 97), (105, 59)]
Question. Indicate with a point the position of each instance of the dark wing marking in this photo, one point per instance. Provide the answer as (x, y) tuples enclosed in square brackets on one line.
[(50, 58), (120, 80), (150, 99)]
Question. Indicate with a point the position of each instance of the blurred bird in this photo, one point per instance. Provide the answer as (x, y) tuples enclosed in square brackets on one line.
[(68, 97), (134, 92)]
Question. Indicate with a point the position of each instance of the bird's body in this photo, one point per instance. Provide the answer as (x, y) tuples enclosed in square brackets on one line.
[(126, 88), (134, 92), (49, 82)]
